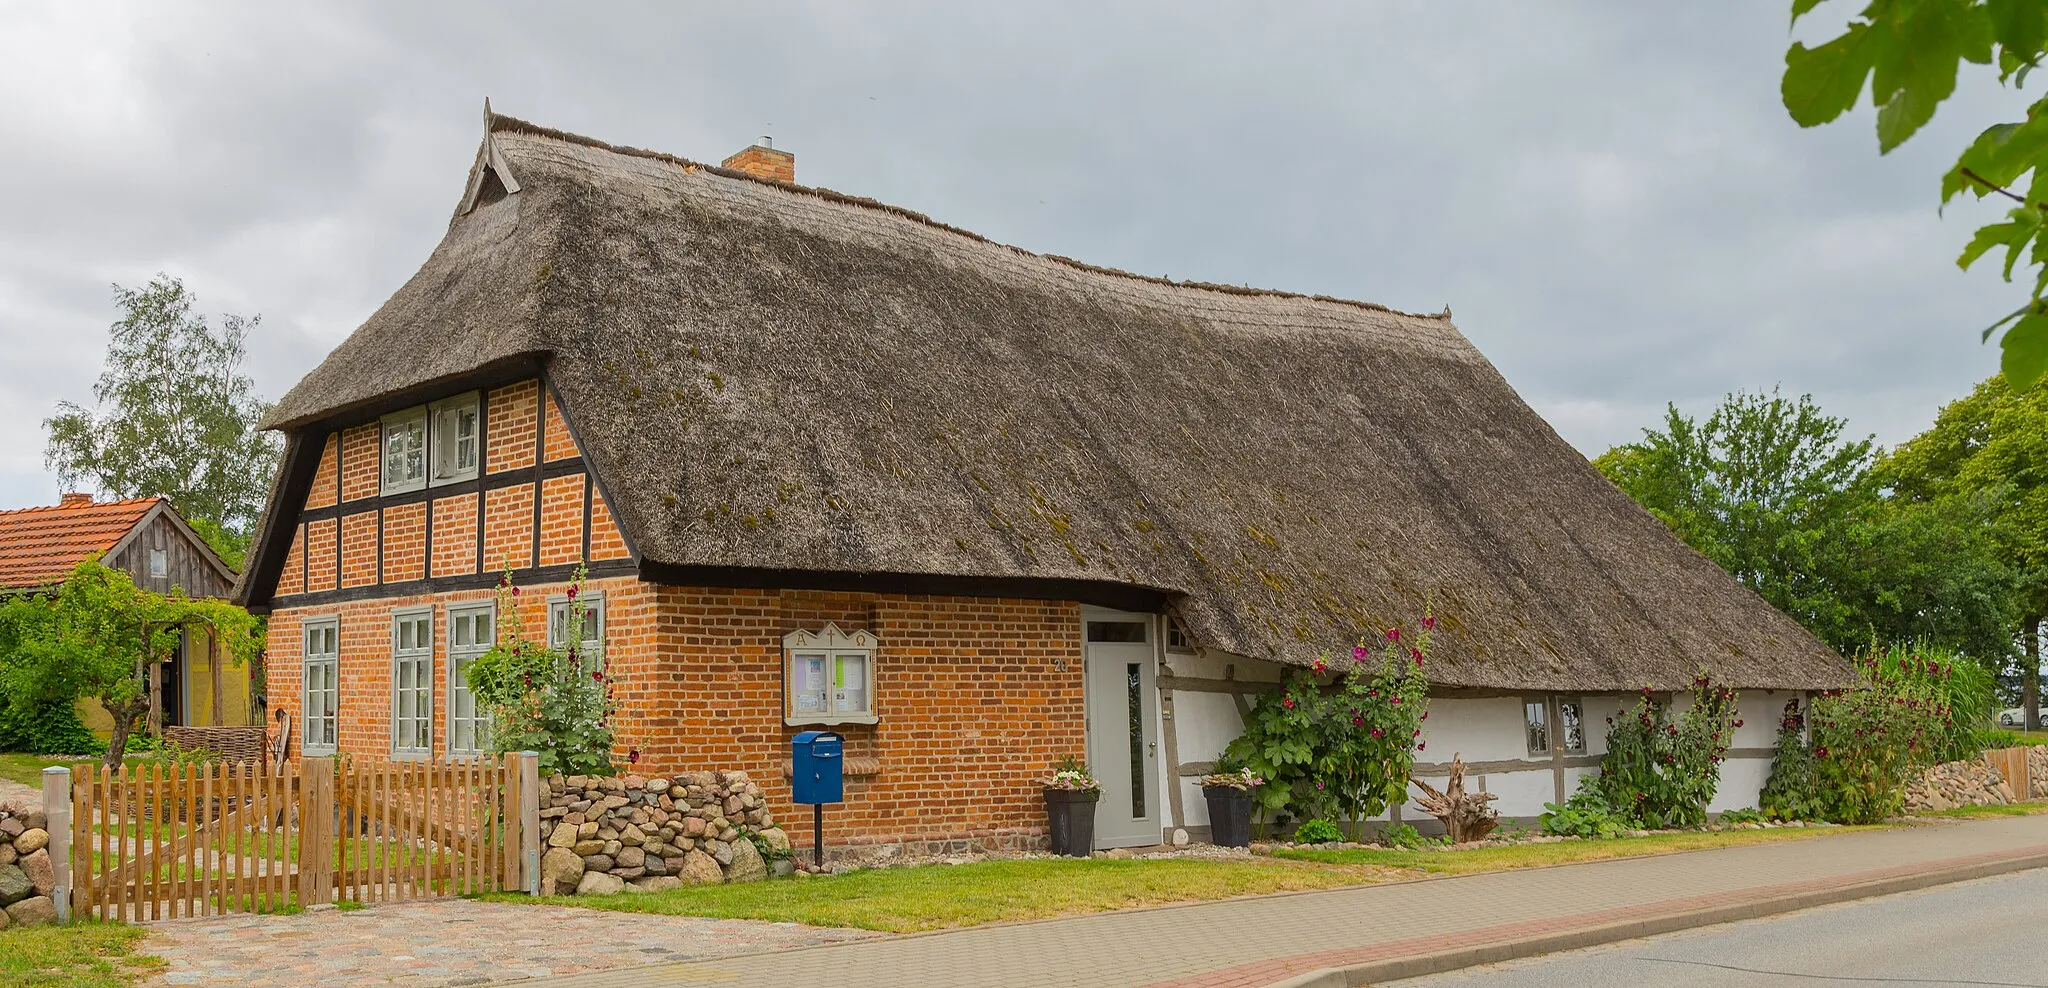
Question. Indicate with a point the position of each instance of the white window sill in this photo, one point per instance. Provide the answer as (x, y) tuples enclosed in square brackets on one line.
[(828, 720), (316, 749)]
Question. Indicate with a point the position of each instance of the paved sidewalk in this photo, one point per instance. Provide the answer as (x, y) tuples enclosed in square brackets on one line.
[(1258, 941), (442, 942)]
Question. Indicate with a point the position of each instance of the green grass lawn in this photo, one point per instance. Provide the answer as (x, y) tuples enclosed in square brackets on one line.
[(28, 769), (933, 897), (83, 955), (1508, 857), (1979, 812)]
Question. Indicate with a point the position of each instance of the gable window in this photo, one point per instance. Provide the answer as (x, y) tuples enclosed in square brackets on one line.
[(405, 451), (829, 677), (1177, 639), (412, 682), (317, 677), (159, 563), (586, 615), (471, 632), (454, 435)]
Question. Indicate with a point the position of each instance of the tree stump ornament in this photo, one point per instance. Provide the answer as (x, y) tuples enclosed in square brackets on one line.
[(1465, 816)]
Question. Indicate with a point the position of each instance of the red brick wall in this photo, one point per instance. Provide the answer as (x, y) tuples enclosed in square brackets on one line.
[(509, 427), (561, 520), (361, 468), (973, 708), (293, 578), (321, 554), (561, 445), (405, 542), (606, 541), (508, 528), (455, 535), (359, 549), (326, 481)]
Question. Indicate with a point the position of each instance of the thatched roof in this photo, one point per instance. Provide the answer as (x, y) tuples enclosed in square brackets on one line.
[(769, 376)]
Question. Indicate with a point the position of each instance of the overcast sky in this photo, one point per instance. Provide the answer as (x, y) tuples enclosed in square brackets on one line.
[(1609, 196)]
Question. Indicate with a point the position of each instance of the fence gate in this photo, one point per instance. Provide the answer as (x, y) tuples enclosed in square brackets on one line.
[(165, 841)]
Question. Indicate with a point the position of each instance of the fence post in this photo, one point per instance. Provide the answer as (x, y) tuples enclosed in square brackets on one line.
[(57, 822), (316, 829), (529, 818)]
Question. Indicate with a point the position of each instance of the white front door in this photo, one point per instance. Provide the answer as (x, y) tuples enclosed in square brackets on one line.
[(1123, 742)]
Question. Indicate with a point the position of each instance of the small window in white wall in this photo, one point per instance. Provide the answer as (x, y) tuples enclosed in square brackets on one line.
[(453, 424), (829, 677), (471, 632), (1536, 725), (412, 683), (405, 451), (159, 563), (586, 615), (1571, 724), (317, 676), (1177, 639)]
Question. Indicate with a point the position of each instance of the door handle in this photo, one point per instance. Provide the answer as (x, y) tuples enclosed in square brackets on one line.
[(1153, 746)]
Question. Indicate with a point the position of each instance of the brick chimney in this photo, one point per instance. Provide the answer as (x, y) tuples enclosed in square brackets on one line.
[(764, 161), (75, 500)]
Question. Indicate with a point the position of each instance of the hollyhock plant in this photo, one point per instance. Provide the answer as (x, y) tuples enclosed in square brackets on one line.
[(1341, 751), (1663, 771), (537, 698), (1847, 758)]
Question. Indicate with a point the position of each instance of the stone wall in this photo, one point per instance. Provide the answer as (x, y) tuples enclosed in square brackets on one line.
[(26, 873), (1974, 782), (617, 834)]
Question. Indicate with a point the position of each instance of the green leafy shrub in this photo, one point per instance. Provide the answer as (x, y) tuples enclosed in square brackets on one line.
[(1865, 742), (1407, 838), (1318, 831), (553, 701), (1986, 738), (1661, 773), (1340, 751), (1585, 814), (51, 728), (1742, 816)]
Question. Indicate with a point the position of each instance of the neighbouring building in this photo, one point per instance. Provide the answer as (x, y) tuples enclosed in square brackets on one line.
[(833, 463), (147, 539)]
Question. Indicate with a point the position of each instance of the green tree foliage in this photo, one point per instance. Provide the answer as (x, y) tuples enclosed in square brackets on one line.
[(1910, 52), (95, 633), (1989, 452), (1772, 490), (175, 417)]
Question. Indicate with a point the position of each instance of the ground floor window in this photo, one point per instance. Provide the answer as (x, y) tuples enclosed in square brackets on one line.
[(322, 655), (412, 682), (1554, 719), (471, 633)]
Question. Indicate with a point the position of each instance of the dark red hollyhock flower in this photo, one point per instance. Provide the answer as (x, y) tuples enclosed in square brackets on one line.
[(1393, 634), (1357, 721), (1419, 745), (1359, 653), (1738, 723), (1376, 732), (1425, 716), (1821, 752), (632, 756), (1429, 624), (1394, 700), (1319, 666), (1287, 702), (1417, 734)]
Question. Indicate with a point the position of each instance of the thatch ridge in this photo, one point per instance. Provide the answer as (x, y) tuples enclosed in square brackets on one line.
[(773, 378), (501, 122)]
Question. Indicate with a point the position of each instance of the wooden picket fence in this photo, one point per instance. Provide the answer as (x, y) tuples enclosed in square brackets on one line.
[(161, 842)]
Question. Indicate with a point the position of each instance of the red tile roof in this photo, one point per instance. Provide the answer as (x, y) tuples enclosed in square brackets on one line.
[(41, 545)]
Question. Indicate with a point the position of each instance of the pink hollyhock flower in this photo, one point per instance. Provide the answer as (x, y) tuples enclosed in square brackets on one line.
[(1288, 702), (1429, 624), (1393, 634), (1319, 666), (1359, 653)]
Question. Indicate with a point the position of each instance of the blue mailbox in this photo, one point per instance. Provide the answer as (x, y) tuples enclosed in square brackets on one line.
[(817, 767)]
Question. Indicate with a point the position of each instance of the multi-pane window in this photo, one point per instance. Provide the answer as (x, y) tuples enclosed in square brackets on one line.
[(1571, 722), (159, 563), (470, 634), (455, 439), (412, 682), (829, 676), (586, 615), (1536, 725), (405, 451), (321, 656)]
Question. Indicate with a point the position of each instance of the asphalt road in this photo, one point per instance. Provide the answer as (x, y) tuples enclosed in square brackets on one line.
[(1993, 931)]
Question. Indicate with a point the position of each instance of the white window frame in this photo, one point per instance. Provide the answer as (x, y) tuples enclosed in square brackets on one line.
[(417, 415), (821, 697), (592, 602), (435, 454), (423, 684), (310, 726), (1558, 704), (1539, 705), (1177, 638), (159, 563), (459, 657)]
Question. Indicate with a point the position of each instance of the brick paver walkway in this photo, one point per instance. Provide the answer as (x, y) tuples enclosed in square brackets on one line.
[(1261, 940), (438, 942)]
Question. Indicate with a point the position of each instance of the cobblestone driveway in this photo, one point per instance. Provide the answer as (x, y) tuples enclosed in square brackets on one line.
[(449, 942)]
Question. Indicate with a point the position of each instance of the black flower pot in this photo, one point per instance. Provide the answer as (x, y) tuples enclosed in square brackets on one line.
[(1230, 815), (1070, 819)]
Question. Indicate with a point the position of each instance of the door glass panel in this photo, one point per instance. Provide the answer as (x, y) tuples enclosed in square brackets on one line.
[(1136, 703), (1116, 631)]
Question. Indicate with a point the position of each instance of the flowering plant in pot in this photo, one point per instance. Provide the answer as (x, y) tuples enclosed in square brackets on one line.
[(1071, 793), (1230, 804)]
